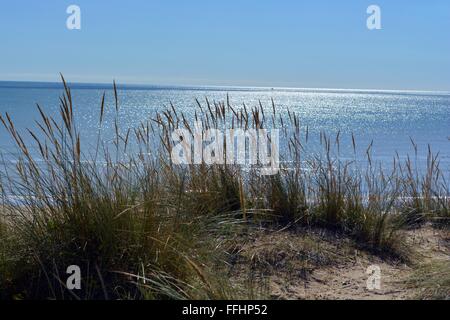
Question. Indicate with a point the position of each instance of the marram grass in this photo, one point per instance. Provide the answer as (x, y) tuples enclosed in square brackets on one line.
[(140, 227)]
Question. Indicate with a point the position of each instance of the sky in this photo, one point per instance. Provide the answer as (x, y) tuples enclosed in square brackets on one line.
[(271, 43)]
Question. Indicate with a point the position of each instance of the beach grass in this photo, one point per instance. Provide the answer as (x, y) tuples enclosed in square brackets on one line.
[(433, 281), (140, 227)]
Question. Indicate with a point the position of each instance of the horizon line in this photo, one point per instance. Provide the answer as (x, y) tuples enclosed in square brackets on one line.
[(143, 86)]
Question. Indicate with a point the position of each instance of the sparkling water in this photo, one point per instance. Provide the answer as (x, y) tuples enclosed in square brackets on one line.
[(388, 118)]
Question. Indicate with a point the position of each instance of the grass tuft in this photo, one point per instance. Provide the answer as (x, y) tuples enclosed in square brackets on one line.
[(140, 227)]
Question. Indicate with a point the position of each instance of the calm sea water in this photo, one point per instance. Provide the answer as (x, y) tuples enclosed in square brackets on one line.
[(390, 119)]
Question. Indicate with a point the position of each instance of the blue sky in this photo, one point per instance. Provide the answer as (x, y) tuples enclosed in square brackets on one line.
[(236, 42)]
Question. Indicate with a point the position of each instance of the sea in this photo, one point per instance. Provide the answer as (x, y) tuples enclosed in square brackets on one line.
[(387, 120)]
